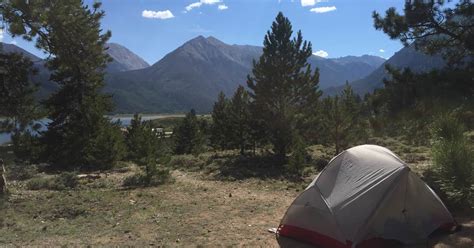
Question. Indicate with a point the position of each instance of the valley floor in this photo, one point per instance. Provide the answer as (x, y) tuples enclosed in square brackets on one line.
[(194, 211)]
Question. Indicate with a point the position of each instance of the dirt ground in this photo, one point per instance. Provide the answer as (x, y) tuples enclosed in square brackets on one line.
[(191, 212)]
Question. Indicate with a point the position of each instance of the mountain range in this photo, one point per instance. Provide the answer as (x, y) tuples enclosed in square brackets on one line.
[(123, 59), (406, 57), (192, 75)]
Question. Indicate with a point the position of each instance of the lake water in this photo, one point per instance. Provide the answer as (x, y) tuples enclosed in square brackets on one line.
[(125, 120), (5, 137)]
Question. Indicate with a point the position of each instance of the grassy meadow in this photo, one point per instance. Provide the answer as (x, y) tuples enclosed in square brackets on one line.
[(215, 199)]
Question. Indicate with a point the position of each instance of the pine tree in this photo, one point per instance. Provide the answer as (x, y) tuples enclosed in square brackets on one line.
[(188, 136), (220, 123), (283, 87), (17, 103), (142, 142), (70, 32), (343, 119), (414, 99), (435, 27), (354, 109), (297, 160), (240, 120)]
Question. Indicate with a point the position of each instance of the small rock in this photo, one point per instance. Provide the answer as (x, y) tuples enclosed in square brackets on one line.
[(230, 194)]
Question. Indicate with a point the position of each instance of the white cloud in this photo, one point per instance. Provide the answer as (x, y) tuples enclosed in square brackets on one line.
[(323, 9), (193, 5), (210, 1), (321, 53), (165, 14), (305, 3), (1, 34), (201, 2), (222, 7), (381, 50)]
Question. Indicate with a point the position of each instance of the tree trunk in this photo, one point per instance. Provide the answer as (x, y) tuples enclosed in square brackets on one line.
[(3, 181)]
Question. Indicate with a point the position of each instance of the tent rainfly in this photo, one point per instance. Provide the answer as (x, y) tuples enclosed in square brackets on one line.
[(365, 197)]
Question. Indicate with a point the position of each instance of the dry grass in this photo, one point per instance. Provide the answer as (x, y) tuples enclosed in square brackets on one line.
[(187, 213), (204, 207)]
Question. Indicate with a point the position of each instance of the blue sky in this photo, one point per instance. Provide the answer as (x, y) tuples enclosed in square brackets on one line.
[(153, 28)]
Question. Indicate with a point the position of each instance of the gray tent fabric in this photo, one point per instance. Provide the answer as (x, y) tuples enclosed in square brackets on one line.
[(364, 197)]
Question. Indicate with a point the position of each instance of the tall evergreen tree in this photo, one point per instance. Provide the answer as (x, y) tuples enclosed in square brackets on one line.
[(220, 123), (343, 119), (188, 136), (70, 32), (433, 26), (240, 120), (17, 103), (283, 87)]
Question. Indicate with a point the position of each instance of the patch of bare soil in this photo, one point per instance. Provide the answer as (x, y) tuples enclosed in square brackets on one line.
[(191, 212)]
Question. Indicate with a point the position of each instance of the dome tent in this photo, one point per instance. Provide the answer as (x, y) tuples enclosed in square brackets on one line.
[(365, 197)]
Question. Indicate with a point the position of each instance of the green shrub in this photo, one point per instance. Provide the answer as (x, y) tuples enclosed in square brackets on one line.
[(66, 180), (186, 162), (453, 163), (106, 147), (38, 183), (21, 172), (298, 159), (320, 163), (142, 142), (135, 180), (26, 146), (152, 176)]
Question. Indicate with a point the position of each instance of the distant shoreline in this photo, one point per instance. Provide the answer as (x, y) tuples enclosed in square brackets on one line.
[(158, 116), (117, 116)]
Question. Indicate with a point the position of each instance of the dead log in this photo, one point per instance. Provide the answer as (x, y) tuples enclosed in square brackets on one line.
[(3, 180), (88, 176)]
